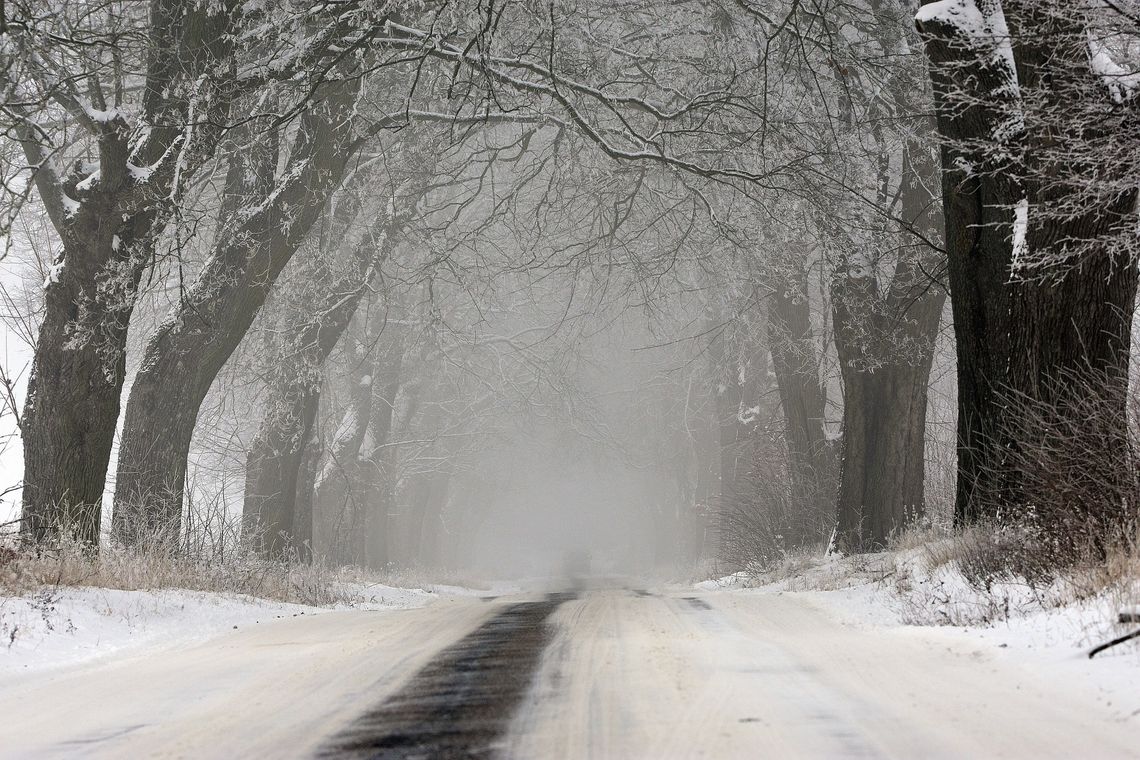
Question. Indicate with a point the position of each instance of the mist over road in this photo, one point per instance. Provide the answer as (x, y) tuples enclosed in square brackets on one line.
[(600, 672)]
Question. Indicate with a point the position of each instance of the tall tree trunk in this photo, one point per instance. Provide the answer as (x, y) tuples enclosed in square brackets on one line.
[(1071, 319), (72, 406), (185, 355), (338, 494), (270, 500), (78, 367), (270, 517), (812, 460), (1076, 314), (1024, 334), (885, 346), (977, 196)]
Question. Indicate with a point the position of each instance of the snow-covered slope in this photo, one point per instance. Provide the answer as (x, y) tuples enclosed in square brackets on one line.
[(59, 627)]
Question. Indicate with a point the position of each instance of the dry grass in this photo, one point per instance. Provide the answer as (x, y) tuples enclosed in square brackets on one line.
[(814, 569), (985, 574), (219, 562), (68, 563)]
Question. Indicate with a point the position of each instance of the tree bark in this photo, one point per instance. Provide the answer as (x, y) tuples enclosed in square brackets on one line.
[(285, 431), (78, 366), (1071, 318), (812, 461), (270, 517), (1024, 336), (72, 406), (1077, 313), (185, 355), (885, 346), (977, 196)]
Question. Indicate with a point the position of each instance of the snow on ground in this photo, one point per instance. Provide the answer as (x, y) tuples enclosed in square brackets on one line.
[(60, 627), (1031, 629)]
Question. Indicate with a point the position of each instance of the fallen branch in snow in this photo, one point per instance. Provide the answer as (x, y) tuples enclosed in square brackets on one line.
[(1125, 617)]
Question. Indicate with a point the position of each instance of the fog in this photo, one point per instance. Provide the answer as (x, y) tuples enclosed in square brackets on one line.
[(496, 335), (582, 467)]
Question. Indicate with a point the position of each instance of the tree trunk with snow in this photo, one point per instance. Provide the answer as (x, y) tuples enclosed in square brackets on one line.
[(77, 375), (1041, 304), (107, 221), (185, 355), (1071, 319), (271, 487), (977, 198), (885, 346)]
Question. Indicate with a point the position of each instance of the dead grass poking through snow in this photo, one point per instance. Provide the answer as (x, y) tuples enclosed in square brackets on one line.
[(116, 567), (983, 575)]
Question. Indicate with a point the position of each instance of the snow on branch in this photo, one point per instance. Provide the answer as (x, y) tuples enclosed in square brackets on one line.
[(1122, 83), (977, 39)]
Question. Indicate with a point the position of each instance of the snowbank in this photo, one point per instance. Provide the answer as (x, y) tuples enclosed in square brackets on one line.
[(1046, 630), (59, 627)]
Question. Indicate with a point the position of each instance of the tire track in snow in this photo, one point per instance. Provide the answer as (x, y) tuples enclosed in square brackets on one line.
[(829, 714), (460, 704)]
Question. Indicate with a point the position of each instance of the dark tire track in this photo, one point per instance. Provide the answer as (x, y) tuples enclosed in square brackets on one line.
[(462, 702)]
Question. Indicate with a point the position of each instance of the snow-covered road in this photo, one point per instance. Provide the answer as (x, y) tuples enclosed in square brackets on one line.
[(606, 673)]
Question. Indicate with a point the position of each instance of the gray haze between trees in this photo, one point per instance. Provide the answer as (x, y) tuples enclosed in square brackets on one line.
[(463, 285)]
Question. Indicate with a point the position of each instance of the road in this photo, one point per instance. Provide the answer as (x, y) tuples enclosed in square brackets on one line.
[(601, 673)]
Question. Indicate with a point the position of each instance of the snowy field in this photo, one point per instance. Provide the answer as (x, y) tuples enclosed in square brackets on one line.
[(55, 628), (1033, 629), (830, 661)]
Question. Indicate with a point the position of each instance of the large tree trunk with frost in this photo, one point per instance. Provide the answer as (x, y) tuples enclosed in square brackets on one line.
[(977, 197), (185, 355), (1071, 320), (885, 346), (1028, 332), (1077, 314), (77, 375), (107, 222)]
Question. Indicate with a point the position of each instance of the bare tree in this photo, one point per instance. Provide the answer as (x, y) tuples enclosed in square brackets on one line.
[(147, 89), (1040, 212), (263, 223)]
